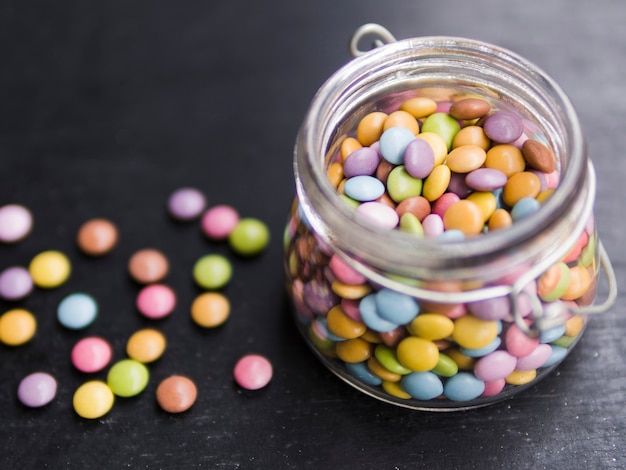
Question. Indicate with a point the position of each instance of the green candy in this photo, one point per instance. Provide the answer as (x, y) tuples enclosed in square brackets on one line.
[(212, 271), (411, 224), (446, 367), (388, 359), (128, 378), (401, 185), (249, 238), (443, 125)]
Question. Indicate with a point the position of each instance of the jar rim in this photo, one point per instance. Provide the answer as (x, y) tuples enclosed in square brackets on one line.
[(338, 220)]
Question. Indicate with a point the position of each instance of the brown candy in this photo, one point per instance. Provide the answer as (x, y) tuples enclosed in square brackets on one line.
[(97, 237), (538, 156), (176, 394), (469, 108), (148, 265)]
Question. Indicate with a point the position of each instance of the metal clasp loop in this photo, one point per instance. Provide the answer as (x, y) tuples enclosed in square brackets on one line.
[(380, 34)]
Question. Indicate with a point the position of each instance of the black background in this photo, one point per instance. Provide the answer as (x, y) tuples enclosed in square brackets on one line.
[(107, 107)]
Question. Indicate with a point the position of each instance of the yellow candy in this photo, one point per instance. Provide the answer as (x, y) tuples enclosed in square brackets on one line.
[(431, 326), (342, 325), (93, 399), (521, 185), (436, 142), (501, 218), (473, 333), (436, 183), (17, 327), (402, 119), (579, 282), (146, 345), (506, 158), (574, 325), (348, 146), (210, 309), (486, 201), (543, 196), (370, 128), (335, 173), (417, 354), (464, 215), (395, 390), (381, 372), (472, 135), (354, 350), (466, 158), (350, 291), (419, 107), (521, 377), (462, 361), (49, 269)]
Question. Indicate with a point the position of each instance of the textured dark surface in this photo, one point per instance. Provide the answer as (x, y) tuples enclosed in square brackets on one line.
[(106, 107)]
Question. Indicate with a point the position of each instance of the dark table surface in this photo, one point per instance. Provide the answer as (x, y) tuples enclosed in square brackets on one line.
[(107, 107)]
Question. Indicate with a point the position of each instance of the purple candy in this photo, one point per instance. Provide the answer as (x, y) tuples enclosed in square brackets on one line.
[(37, 389), (503, 127), (363, 161), (494, 366), (486, 179), (419, 158), (458, 185), (15, 283), (16, 222), (186, 204)]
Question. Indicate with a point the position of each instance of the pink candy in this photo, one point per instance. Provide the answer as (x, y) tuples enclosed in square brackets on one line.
[(91, 354), (156, 301), (253, 372), (15, 223), (219, 221)]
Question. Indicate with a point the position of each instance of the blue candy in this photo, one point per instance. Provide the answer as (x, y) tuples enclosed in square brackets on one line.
[(371, 317), (524, 207), (364, 188), (464, 386), (77, 311), (422, 385), (396, 307), (393, 143), (491, 347), (552, 334), (362, 372), (558, 354)]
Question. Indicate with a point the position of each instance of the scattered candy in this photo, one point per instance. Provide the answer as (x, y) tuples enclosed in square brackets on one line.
[(16, 222), (156, 301), (50, 269), (17, 327), (15, 283), (77, 311), (210, 309), (176, 394), (37, 389), (148, 266), (93, 399), (91, 354), (219, 221), (128, 378), (97, 237), (212, 271), (253, 372), (186, 204), (249, 237), (146, 345)]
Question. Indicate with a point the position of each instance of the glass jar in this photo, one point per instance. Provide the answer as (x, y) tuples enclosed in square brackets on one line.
[(479, 331)]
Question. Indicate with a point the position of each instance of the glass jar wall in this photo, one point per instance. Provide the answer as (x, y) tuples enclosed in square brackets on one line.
[(440, 322)]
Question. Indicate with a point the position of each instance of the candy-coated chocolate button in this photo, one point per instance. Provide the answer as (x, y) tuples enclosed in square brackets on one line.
[(91, 354), (15, 283), (219, 221), (465, 216), (16, 222), (146, 345), (93, 399), (77, 311), (473, 333), (176, 394), (17, 327), (128, 378), (186, 204), (417, 354), (156, 301), (253, 372), (249, 237), (210, 309), (148, 265), (50, 269), (97, 237), (37, 389), (212, 271)]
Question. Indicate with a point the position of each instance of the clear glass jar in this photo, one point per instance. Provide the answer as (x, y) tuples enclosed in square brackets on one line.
[(449, 281)]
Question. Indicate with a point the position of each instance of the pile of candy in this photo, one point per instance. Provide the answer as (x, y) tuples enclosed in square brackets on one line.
[(148, 267), (446, 170)]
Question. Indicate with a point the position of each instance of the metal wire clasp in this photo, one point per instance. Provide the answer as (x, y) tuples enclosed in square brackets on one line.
[(380, 36)]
